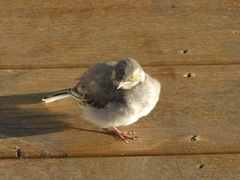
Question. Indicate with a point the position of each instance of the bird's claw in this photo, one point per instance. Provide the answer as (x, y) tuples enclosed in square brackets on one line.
[(122, 135)]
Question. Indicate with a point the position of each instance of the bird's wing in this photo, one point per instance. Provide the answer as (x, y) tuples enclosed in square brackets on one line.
[(95, 88)]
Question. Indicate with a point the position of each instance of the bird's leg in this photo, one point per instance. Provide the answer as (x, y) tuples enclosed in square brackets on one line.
[(122, 135)]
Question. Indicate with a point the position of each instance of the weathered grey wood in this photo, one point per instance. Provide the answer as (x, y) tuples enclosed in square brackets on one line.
[(209, 167), (46, 34), (205, 104)]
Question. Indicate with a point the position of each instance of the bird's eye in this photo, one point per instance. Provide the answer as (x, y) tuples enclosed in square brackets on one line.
[(132, 78)]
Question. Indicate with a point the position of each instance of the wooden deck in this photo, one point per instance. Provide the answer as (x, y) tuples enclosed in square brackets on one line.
[(191, 47)]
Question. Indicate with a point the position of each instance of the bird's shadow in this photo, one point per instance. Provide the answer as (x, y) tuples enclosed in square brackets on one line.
[(18, 121)]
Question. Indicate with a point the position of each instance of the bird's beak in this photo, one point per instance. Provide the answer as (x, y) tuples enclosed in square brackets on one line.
[(121, 84)]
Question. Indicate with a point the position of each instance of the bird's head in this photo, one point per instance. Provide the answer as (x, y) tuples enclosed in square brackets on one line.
[(127, 73)]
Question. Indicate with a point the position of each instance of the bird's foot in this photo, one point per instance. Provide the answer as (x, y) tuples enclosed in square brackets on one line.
[(122, 135)]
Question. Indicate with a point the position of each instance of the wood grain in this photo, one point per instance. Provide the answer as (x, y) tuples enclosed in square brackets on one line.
[(191, 47), (205, 105), (210, 167), (46, 34)]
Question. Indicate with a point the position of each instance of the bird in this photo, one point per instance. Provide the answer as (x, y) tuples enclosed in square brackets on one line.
[(113, 94)]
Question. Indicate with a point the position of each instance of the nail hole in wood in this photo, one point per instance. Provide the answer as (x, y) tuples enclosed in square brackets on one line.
[(185, 52), (193, 138), (189, 75), (19, 153), (201, 166)]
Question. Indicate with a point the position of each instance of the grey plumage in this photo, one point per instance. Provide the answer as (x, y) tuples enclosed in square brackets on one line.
[(113, 94)]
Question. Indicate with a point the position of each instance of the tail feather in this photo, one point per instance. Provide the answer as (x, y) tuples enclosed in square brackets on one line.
[(57, 95)]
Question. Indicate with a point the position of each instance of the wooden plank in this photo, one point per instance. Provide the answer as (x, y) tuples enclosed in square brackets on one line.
[(205, 105), (198, 167), (46, 34)]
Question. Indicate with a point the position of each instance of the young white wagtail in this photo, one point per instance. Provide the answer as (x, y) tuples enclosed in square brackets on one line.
[(113, 94)]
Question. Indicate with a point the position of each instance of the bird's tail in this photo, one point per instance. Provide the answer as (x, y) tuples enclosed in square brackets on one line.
[(57, 95)]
